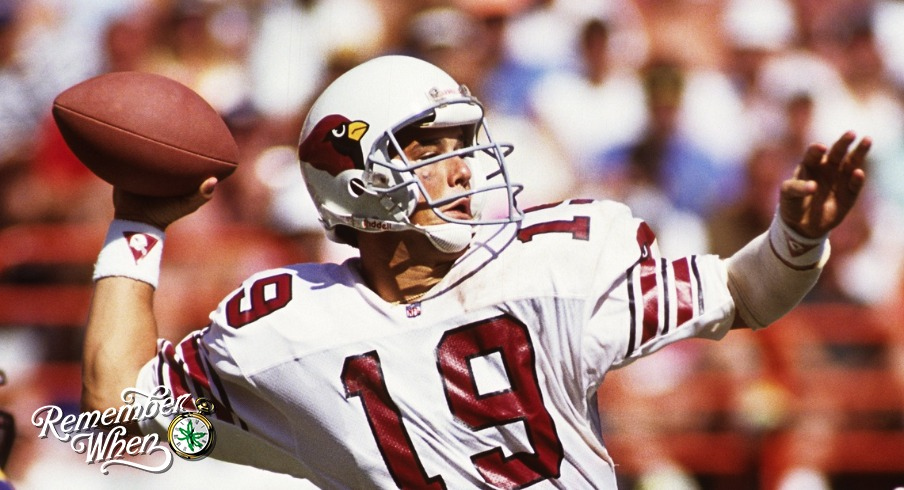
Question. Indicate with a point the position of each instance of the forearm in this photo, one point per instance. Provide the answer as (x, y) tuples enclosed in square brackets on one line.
[(121, 336), (772, 274)]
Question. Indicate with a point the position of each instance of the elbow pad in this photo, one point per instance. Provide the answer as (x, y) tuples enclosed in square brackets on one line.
[(773, 273)]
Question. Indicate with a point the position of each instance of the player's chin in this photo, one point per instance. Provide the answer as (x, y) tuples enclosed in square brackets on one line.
[(457, 217), (430, 217)]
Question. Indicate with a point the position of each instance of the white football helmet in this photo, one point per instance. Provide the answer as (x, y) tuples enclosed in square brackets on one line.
[(356, 171)]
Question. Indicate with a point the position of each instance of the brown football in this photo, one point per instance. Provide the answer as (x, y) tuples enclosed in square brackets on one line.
[(145, 133)]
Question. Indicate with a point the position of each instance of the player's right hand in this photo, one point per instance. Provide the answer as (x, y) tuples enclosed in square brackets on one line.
[(160, 211), (825, 186)]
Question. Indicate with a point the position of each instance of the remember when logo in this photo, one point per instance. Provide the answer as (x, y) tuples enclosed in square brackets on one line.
[(102, 436)]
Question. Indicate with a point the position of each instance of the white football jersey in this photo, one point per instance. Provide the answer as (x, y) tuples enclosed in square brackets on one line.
[(489, 381)]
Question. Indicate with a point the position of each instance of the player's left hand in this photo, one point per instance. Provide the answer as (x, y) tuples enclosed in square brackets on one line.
[(824, 187)]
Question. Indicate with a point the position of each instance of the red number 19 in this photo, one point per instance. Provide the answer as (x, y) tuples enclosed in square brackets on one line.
[(522, 402)]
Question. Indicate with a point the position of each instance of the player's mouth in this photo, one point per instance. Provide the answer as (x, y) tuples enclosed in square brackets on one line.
[(459, 209)]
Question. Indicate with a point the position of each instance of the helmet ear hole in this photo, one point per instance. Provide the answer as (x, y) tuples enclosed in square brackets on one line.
[(356, 187)]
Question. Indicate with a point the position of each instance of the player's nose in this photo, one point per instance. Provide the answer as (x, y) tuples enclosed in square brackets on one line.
[(458, 172)]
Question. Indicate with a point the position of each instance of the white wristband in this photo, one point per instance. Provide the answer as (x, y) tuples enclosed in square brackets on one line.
[(795, 250), (133, 250)]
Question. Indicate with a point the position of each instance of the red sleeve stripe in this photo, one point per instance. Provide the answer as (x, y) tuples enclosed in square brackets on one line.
[(227, 414), (683, 290), (666, 300), (649, 312), (190, 356), (170, 371), (161, 344), (643, 305), (650, 298), (200, 372), (174, 362), (632, 309), (661, 296), (187, 354)]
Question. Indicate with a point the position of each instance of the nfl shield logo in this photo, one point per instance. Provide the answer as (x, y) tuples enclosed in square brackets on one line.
[(413, 310)]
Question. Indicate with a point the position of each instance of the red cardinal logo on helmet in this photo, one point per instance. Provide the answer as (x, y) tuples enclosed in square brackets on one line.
[(334, 145)]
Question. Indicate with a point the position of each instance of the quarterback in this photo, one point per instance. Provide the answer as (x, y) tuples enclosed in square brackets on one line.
[(464, 346)]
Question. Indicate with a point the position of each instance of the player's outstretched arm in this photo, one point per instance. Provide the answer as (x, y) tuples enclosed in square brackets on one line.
[(772, 273), (121, 334)]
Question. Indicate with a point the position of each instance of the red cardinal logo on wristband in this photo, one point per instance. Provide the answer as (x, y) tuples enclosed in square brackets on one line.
[(140, 244), (796, 248)]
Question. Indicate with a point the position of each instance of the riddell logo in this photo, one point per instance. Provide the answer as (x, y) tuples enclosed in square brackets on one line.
[(376, 225), (437, 93), (140, 244)]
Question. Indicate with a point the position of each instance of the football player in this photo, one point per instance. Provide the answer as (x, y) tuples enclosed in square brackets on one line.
[(465, 344)]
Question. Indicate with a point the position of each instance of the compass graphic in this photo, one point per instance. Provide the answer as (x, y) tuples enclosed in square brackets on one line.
[(190, 434)]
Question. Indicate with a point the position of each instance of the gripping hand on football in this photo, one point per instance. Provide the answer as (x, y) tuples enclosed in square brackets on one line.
[(160, 211), (824, 187)]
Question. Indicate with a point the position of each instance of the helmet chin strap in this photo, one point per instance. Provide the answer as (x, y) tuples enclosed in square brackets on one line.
[(446, 237), (449, 237)]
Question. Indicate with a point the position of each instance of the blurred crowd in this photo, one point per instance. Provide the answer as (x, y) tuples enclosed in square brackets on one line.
[(690, 111)]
